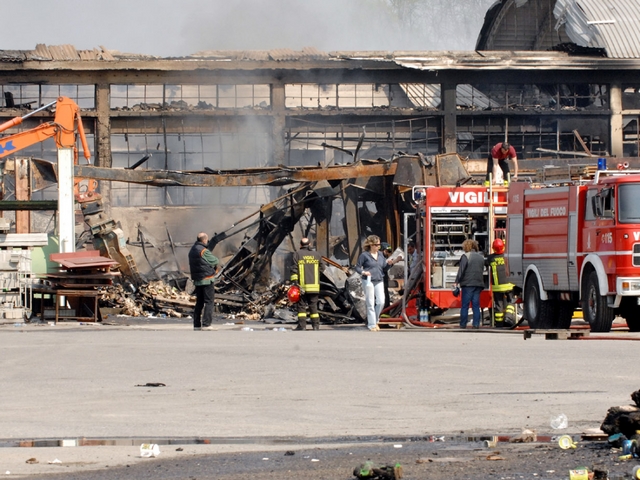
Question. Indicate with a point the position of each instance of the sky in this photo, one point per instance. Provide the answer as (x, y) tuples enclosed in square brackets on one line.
[(170, 28)]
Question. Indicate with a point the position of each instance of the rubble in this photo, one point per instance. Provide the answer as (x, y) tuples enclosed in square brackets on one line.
[(245, 284), (623, 419)]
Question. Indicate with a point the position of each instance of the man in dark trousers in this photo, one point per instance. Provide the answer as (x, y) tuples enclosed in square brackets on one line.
[(305, 273), (500, 288), (500, 153), (203, 265)]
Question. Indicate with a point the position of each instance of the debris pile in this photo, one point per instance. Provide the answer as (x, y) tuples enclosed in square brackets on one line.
[(341, 300), (152, 298), (623, 420)]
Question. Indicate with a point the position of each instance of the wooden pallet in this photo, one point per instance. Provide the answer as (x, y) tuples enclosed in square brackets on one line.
[(557, 334)]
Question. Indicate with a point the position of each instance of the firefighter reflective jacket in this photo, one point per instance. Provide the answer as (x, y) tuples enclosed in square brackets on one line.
[(498, 273), (306, 270)]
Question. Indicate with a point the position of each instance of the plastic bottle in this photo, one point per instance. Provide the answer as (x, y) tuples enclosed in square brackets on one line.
[(561, 421), (149, 450), (636, 472)]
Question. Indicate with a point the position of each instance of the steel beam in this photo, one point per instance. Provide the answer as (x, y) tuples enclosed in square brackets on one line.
[(237, 178)]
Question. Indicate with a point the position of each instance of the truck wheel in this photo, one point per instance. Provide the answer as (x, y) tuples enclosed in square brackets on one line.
[(564, 314), (630, 311), (539, 313), (594, 306), (633, 323)]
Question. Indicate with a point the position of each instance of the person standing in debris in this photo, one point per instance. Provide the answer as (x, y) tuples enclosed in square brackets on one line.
[(412, 257), (471, 281), (372, 266), (386, 251), (498, 157), (305, 272), (203, 265), (500, 288)]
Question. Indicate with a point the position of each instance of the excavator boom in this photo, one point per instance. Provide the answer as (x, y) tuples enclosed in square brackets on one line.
[(107, 234), (63, 129)]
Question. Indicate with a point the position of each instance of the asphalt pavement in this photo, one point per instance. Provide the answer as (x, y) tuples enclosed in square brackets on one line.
[(82, 397)]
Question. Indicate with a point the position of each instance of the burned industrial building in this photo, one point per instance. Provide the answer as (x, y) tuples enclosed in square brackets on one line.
[(260, 148)]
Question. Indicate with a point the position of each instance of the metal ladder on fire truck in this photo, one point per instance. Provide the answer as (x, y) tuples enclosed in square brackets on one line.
[(497, 224)]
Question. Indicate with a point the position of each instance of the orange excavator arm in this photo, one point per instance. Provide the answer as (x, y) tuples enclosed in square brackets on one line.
[(63, 129)]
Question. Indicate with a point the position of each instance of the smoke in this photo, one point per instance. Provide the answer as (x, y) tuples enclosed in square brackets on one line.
[(171, 28), (336, 24)]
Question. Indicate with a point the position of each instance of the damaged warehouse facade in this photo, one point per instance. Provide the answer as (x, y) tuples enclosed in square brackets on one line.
[(259, 148)]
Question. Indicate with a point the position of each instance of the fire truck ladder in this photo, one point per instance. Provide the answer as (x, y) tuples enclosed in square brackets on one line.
[(497, 226), (497, 214)]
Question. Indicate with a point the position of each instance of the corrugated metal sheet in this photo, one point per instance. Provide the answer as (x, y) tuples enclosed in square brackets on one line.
[(279, 55), (609, 24), (44, 53), (12, 56)]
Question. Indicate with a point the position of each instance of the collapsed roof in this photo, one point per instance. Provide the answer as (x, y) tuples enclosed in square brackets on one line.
[(608, 26)]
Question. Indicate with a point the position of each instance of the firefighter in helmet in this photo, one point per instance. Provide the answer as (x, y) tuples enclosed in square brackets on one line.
[(504, 310), (305, 272)]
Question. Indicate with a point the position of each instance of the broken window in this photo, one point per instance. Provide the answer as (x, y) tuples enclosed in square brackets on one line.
[(631, 97), (149, 97), (631, 135), (187, 151), (312, 143), (366, 95), (532, 137), (528, 96), (33, 96)]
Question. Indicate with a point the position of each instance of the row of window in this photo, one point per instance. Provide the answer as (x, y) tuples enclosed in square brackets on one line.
[(404, 95), (310, 144)]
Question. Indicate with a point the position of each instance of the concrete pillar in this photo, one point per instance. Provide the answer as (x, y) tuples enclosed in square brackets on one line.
[(615, 99), (102, 136), (449, 127), (23, 192), (279, 122)]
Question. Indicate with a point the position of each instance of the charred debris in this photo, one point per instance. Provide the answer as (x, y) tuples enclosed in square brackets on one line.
[(374, 195)]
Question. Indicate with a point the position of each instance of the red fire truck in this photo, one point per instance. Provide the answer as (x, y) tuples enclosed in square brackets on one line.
[(577, 244), (446, 217)]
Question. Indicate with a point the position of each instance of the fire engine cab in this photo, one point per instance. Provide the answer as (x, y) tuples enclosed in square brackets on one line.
[(577, 244)]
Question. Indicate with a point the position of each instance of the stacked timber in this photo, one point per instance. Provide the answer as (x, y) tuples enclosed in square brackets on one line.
[(565, 173)]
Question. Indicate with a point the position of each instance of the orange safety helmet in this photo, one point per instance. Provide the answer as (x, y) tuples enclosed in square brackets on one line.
[(293, 294), (498, 246)]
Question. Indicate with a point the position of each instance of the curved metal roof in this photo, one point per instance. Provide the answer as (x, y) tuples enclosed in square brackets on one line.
[(609, 25)]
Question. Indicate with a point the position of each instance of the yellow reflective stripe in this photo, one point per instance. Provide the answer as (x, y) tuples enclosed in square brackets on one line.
[(503, 288)]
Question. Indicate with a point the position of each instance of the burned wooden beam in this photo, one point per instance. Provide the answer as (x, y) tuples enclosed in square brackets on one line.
[(238, 178), (28, 205)]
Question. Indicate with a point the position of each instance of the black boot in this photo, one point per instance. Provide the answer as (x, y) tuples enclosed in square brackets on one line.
[(316, 326)]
